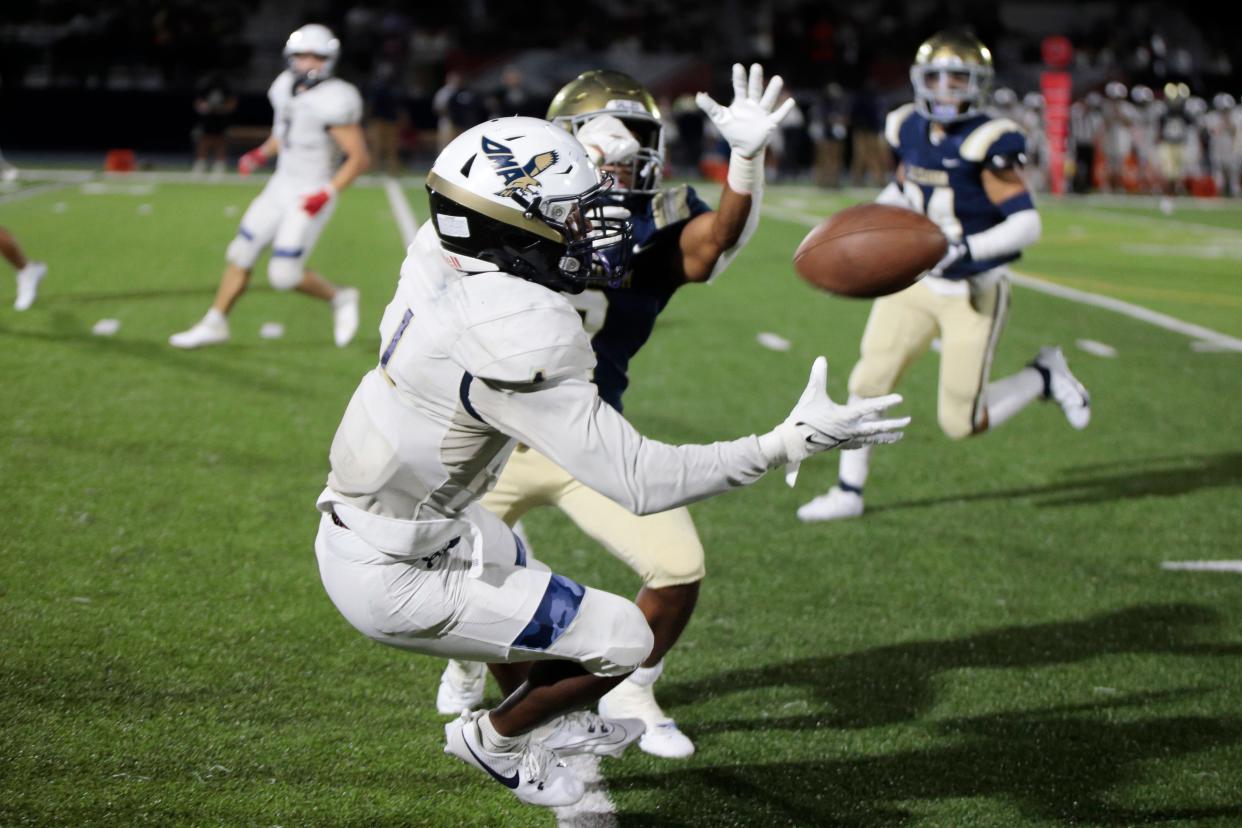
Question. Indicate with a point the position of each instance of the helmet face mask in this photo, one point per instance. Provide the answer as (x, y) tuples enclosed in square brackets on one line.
[(603, 92), (522, 196), (951, 75)]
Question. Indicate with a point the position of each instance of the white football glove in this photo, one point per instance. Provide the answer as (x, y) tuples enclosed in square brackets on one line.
[(956, 252), (818, 424), (748, 123), (608, 140)]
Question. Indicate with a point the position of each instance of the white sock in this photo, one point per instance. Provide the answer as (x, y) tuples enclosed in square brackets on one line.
[(342, 295), (855, 463), (493, 742), (646, 676), (215, 317), (1008, 396)]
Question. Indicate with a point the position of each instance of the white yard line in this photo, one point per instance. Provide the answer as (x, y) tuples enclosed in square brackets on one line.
[(1161, 320), (596, 808), (1203, 566), (401, 211), (29, 192)]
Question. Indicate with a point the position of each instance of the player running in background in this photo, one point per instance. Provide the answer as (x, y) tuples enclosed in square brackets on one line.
[(679, 240), (481, 348), (316, 119), (962, 168), (29, 273)]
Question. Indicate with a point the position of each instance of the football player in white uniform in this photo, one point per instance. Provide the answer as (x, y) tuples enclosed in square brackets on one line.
[(316, 119), (962, 168), (481, 348), (678, 240)]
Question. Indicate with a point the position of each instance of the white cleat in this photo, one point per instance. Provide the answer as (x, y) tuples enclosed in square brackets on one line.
[(344, 316), (1063, 387), (533, 773), (461, 686), (837, 504), (585, 731), (28, 279), (207, 331), (662, 737)]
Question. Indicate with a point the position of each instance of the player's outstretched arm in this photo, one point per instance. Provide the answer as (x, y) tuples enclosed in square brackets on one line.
[(710, 241), (567, 421), (817, 424), (1021, 227)]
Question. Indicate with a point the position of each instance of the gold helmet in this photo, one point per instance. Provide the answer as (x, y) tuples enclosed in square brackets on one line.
[(604, 92), (951, 74)]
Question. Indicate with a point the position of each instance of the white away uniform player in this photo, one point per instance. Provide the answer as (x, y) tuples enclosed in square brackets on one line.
[(480, 349), (316, 120)]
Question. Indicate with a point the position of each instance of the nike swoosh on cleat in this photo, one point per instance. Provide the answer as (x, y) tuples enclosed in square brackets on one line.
[(811, 439), (508, 782)]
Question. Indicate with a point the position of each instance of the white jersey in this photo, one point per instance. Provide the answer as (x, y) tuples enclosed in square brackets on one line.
[(300, 122), (472, 362)]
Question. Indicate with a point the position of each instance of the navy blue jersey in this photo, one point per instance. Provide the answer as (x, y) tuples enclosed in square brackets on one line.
[(944, 173), (620, 320)]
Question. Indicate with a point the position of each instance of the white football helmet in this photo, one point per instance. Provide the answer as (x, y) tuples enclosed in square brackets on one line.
[(314, 39), (522, 196)]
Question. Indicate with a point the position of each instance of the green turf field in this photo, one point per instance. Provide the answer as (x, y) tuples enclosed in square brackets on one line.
[(994, 644)]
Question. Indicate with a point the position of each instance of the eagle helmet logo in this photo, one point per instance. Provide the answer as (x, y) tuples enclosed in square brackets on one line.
[(519, 178)]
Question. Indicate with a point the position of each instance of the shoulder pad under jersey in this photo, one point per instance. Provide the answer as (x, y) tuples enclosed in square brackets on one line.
[(997, 137), (338, 103), (281, 89), (892, 124), (517, 333), (676, 204)]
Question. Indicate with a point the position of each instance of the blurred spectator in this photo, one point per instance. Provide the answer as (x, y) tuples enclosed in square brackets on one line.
[(689, 121), (457, 107), (869, 165), (829, 129), (513, 98), (214, 103), (1086, 131), (385, 102), (1174, 129), (796, 156)]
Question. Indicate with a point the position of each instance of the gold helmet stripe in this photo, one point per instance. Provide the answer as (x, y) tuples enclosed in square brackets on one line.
[(507, 215)]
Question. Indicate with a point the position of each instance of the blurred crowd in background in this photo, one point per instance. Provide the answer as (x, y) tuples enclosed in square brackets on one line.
[(1154, 83)]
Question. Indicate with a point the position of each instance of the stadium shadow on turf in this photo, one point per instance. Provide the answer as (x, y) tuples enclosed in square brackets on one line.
[(1054, 763), (893, 684), (1086, 485), (1059, 765)]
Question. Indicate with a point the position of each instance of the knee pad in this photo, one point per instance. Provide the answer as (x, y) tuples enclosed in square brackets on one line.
[(622, 644), (633, 640), (241, 252), (284, 272), (686, 566), (957, 424)]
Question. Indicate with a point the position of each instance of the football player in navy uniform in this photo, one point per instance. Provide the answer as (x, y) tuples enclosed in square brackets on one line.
[(678, 239), (962, 168)]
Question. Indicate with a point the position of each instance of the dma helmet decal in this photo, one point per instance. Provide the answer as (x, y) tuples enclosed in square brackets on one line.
[(519, 178)]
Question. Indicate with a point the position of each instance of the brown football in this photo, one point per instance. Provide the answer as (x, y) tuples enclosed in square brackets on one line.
[(869, 250)]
